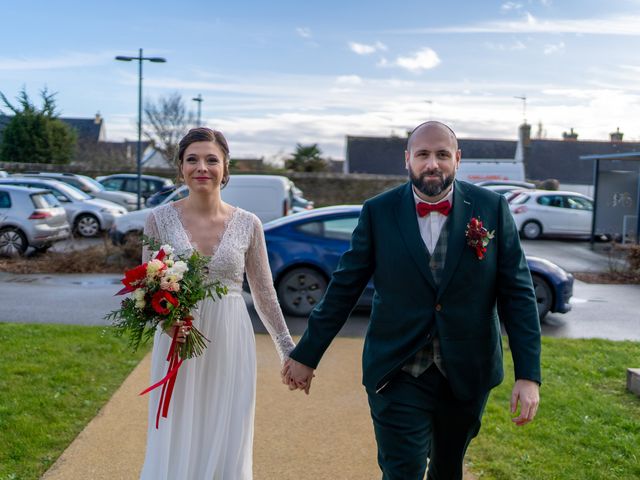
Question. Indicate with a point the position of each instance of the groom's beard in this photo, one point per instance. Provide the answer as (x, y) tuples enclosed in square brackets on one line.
[(432, 187)]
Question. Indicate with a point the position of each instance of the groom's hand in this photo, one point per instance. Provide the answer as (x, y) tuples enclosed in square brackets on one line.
[(528, 394), (297, 375)]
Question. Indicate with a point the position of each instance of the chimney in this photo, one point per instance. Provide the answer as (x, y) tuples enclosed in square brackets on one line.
[(571, 136), (98, 119), (525, 134), (616, 136)]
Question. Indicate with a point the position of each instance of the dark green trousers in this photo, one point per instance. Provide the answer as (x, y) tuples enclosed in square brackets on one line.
[(419, 418)]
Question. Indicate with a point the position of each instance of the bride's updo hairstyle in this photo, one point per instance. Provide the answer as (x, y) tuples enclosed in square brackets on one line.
[(203, 134)]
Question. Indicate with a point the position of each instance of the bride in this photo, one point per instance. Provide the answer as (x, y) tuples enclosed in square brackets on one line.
[(208, 433)]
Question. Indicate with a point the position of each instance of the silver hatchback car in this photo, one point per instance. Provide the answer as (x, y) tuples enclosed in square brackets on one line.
[(86, 215), (89, 186), (30, 217)]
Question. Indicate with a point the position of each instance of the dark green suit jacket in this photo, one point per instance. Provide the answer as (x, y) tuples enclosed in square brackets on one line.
[(408, 307)]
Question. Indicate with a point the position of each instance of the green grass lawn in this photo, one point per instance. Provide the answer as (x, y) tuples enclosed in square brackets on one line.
[(588, 424), (53, 381), (55, 378)]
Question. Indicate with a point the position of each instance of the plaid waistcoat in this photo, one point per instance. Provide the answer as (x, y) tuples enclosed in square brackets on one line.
[(431, 353)]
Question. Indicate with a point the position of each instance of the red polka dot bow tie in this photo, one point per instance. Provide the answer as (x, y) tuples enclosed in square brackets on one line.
[(425, 208)]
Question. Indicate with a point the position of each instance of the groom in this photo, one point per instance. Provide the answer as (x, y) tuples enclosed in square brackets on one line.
[(433, 349)]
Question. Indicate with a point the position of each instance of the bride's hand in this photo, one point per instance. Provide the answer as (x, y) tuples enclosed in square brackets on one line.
[(182, 329)]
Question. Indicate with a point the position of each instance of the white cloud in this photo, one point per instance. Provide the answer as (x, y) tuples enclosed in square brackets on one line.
[(552, 48), (508, 6), (367, 49), (349, 80), (424, 59), (69, 60), (264, 116), (304, 32), (504, 47), (614, 25)]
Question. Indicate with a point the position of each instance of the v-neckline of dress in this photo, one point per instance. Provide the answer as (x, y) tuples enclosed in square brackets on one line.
[(221, 237)]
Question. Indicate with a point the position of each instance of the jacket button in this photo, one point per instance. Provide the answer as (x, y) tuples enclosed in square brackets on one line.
[(438, 307)]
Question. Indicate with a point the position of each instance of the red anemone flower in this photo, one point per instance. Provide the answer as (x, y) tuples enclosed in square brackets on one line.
[(161, 301), (133, 278)]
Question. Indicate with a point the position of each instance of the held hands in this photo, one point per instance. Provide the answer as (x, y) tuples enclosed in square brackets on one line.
[(296, 375), (528, 393)]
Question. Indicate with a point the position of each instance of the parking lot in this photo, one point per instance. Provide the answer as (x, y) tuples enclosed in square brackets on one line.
[(599, 311)]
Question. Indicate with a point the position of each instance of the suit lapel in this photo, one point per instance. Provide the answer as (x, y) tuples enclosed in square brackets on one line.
[(408, 226), (458, 218)]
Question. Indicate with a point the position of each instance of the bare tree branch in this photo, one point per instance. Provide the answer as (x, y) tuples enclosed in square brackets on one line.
[(167, 122)]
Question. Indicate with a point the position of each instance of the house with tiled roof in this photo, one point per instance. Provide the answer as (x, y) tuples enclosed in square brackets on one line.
[(541, 158), (560, 159), (88, 129), (482, 159)]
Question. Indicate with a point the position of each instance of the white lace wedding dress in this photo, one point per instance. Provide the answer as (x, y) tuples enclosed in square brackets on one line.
[(208, 434)]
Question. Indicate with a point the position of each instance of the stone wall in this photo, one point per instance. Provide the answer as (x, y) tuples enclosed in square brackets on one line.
[(323, 188), (339, 188)]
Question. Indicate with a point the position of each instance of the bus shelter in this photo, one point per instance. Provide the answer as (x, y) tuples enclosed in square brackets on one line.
[(616, 209)]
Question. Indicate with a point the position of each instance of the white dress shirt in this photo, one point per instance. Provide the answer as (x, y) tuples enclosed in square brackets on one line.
[(431, 224)]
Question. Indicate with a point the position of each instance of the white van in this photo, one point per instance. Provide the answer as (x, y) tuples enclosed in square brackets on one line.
[(268, 196)]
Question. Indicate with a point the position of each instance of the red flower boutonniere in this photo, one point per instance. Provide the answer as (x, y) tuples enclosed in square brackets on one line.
[(478, 237)]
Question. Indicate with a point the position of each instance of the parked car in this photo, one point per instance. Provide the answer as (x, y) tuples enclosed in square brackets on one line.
[(298, 202), (544, 212), (30, 217), (128, 182), (158, 197), (268, 196), (86, 215), (3, 174), (506, 190), (504, 183), (304, 250), (89, 186)]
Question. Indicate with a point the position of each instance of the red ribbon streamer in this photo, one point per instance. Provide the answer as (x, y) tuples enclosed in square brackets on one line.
[(169, 380)]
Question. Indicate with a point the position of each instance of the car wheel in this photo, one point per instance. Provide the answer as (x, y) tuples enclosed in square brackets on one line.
[(12, 242), (299, 290), (87, 225), (531, 230), (544, 295)]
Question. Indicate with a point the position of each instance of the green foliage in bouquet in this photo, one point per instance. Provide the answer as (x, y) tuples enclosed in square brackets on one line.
[(164, 290)]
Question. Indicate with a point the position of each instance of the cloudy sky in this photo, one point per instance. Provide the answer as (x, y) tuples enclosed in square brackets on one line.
[(273, 74)]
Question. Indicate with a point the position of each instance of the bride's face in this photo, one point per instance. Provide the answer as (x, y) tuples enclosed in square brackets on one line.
[(203, 166)]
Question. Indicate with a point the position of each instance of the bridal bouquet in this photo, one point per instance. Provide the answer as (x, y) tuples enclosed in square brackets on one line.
[(165, 290)]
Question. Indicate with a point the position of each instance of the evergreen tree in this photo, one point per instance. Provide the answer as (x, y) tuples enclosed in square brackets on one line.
[(35, 135)]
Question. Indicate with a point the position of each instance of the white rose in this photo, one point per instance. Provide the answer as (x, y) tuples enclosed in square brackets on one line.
[(180, 267), (168, 249)]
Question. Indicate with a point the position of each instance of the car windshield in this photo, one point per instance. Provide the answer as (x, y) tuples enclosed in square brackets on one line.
[(98, 186), (70, 191), (518, 199)]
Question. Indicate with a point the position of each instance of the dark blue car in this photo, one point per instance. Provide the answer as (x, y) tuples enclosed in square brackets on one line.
[(304, 250)]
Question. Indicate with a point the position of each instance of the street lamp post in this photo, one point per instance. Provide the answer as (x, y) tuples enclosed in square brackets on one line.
[(140, 59), (199, 99)]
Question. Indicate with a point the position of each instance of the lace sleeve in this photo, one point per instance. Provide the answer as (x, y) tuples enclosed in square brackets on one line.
[(151, 231), (263, 292)]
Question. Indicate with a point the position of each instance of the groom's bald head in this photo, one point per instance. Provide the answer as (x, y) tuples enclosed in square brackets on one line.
[(436, 125)]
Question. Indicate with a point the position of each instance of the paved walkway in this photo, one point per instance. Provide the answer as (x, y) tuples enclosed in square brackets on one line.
[(326, 435)]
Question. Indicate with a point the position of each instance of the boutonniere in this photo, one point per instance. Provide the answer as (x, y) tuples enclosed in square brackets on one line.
[(478, 237)]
